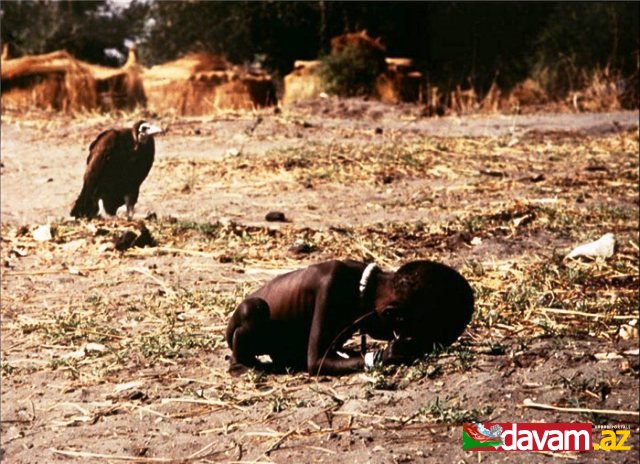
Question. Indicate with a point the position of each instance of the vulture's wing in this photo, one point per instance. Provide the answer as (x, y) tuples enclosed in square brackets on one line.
[(98, 139), (102, 151)]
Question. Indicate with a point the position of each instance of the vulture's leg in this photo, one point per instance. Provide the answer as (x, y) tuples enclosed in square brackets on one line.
[(130, 211), (130, 202)]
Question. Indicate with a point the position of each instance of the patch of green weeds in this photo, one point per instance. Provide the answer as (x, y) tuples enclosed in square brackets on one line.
[(425, 367), (174, 342), (381, 378), (5, 367), (279, 403), (69, 364), (442, 411), (180, 227)]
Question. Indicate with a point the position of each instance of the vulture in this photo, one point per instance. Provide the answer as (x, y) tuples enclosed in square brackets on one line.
[(118, 162)]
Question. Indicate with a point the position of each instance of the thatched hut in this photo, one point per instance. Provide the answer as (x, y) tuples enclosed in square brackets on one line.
[(200, 83), (58, 81), (52, 81)]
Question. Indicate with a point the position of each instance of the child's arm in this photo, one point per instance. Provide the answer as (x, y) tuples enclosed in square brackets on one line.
[(327, 326)]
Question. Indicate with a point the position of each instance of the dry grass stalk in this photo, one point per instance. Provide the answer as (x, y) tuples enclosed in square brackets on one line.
[(527, 403)]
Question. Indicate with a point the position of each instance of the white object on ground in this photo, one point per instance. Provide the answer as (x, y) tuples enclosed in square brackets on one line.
[(630, 330), (42, 233), (368, 359), (601, 248)]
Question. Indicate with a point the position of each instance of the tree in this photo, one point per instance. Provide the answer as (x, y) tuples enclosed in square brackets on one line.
[(85, 29)]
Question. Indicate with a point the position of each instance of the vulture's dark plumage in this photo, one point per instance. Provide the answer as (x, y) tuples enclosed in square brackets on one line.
[(118, 162)]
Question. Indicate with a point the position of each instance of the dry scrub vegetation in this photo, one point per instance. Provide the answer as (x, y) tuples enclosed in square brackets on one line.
[(111, 356)]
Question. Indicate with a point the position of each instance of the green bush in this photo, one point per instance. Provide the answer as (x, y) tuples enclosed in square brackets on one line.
[(352, 71)]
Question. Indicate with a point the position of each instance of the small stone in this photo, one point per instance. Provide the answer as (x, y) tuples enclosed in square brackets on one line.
[(94, 348), (275, 216), (125, 240), (301, 247)]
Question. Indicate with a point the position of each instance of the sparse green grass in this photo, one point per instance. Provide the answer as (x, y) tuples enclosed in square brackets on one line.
[(6, 368), (444, 411), (279, 403)]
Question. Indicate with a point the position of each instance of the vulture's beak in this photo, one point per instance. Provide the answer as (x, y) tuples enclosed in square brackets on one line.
[(154, 130)]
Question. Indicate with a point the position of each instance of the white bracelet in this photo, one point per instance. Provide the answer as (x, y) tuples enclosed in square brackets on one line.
[(366, 275)]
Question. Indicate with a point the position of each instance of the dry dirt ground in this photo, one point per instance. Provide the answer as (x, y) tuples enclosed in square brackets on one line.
[(118, 356)]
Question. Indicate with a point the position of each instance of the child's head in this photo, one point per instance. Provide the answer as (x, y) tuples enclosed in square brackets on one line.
[(432, 303)]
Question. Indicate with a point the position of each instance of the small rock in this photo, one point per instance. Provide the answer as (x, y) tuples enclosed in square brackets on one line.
[(378, 130), (629, 331), (94, 348), (233, 152), (130, 239), (300, 247), (275, 216), (145, 238), (125, 241)]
